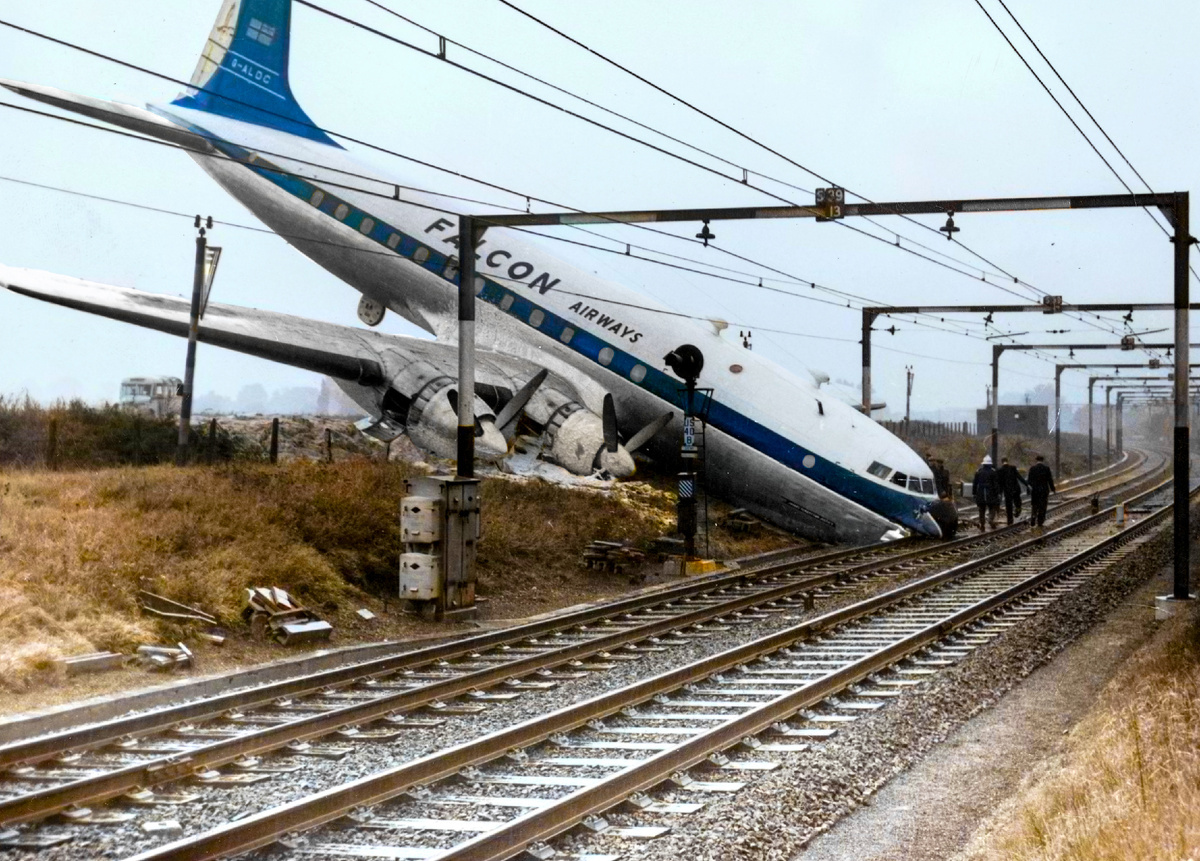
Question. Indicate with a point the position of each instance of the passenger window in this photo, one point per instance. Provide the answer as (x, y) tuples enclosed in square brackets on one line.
[(637, 373), (366, 226), (606, 355), (317, 197), (393, 241), (567, 334), (506, 302), (536, 317), (341, 212), (421, 254)]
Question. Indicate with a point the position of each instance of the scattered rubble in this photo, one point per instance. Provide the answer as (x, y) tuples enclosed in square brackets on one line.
[(271, 612), (165, 608), (611, 555), (93, 662), (165, 657), (741, 521)]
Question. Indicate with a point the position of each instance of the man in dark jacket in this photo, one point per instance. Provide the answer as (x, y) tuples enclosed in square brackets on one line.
[(986, 489), (1010, 484), (941, 478), (1041, 485)]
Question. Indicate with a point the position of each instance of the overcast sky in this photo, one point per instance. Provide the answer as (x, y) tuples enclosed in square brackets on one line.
[(896, 101)]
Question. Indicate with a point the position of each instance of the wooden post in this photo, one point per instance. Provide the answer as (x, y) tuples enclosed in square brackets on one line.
[(275, 440), (137, 440), (328, 445), (52, 444), (212, 440)]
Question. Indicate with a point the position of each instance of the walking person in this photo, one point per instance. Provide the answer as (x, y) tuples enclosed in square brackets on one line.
[(1010, 484), (1041, 485), (986, 489), (941, 478)]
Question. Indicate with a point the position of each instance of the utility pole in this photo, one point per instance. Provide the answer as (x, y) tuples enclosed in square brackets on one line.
[(467, 237), (908, 402), (202, 278)]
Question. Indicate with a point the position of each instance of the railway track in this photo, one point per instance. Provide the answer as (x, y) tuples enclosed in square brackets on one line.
[(730, 714), (62, 773), (69, 770)]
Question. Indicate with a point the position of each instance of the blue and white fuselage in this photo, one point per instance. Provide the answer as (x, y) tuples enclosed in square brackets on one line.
[(776, 444)]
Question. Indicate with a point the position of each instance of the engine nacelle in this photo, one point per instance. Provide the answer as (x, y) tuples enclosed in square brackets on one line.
[(432, 423), (577, 443)]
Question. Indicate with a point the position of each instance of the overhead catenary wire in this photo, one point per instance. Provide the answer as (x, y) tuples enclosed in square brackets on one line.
[(752, 139), (1084, 107), (591, 103), (361, 142), (814, 285), (385, 150)]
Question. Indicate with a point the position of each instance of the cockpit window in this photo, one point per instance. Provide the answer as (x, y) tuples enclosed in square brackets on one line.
[(901, 479), (920, 485), (878, 470)]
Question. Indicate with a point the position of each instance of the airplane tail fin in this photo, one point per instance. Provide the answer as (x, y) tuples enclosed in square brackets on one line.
[(243, 70)]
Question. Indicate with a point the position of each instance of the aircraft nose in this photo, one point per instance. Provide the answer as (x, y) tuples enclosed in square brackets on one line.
[(619, 463), (928, 525)]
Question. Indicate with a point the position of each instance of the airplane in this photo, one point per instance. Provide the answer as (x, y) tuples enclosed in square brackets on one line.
[(564, 354)]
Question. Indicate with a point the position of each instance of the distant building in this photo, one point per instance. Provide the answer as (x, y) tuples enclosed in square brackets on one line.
[(156, 396), (1016, 420)]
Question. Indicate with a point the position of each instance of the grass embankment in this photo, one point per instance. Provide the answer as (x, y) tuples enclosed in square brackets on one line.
[(76, 546), (1129, 782)]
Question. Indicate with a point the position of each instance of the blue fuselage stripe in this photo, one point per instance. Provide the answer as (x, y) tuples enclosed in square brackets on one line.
[(895, 504)]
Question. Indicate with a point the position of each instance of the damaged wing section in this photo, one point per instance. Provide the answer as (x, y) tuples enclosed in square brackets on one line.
[(406, 385)]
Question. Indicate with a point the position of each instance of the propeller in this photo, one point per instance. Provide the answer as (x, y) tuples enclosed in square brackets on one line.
[(452, 395), (610, 424), (512, 410), (612, 441), (647, 433)]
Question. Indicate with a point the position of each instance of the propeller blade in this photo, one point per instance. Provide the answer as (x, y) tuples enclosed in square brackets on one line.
[(647, 433), (452, 394), (512, 410), (610, 424)]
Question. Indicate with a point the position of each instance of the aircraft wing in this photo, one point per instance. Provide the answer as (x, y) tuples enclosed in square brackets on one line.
[(358, 356)]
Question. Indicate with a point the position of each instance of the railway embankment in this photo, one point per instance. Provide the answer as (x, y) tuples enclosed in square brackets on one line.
[(75, 547)]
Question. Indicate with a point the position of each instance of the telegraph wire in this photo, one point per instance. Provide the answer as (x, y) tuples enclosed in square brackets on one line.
[(730, 128), (359, 141), (1095, 121), (773, 151), (376, 147), (188, 85), (341, 185), (647, 127)]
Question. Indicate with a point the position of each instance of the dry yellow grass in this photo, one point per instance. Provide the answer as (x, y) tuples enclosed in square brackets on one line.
[(1129, 785), (76, 546)]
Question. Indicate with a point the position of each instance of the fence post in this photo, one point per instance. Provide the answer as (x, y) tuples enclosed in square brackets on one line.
[(275, 440), (52, 444), (328, 445), (212, 440), (137, 440)]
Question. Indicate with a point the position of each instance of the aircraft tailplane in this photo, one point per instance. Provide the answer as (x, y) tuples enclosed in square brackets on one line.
[(243, 70)]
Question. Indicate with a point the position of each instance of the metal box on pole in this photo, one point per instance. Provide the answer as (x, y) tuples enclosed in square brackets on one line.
[(440, 528)]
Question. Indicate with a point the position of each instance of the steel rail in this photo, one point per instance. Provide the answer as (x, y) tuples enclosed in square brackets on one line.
[(548, 822), (55, 743), (168, 767), (99, 787), (263, 828)]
